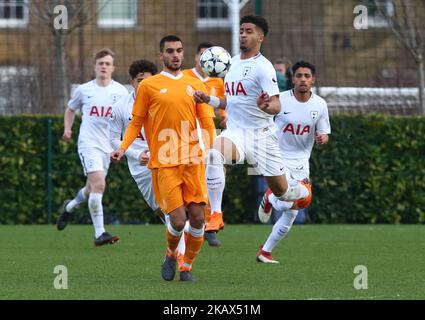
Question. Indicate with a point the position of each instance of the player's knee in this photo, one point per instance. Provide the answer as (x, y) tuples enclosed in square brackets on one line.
[(197, 221), (178, 224), (279, 190), (97, 186)]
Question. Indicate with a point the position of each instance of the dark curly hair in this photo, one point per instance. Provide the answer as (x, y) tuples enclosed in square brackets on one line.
[(140, 66)]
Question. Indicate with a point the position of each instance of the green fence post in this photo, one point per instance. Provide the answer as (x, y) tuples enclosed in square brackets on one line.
[(259, 7), (49, 171)]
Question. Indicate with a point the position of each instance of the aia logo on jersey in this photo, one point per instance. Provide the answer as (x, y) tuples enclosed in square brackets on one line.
[(235, 89), (298, 130), (101, 111)]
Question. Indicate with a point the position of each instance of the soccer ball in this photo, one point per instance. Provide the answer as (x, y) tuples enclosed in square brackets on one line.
[(215, 62)]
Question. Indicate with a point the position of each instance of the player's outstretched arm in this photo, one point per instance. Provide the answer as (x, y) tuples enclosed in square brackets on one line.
[(270, 105), (130, 135), (68, 122), (202, 97)]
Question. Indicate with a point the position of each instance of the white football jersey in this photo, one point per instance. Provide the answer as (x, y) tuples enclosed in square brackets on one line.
[(118, 123), (95, 103), (298, 122), (244, 82)]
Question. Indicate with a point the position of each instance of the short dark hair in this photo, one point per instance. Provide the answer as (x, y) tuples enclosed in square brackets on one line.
[(141, 66), (303, 64), (103, 53), (169, 38), (259, 21), (204, 45)]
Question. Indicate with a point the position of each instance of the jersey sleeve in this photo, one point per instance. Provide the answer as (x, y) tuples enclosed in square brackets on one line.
[(76, 102), (140, 110), (268, 81), (220, 88), (323, 124)]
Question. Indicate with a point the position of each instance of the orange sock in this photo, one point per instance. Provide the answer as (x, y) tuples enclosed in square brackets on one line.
[(193, 246), (172, 243)]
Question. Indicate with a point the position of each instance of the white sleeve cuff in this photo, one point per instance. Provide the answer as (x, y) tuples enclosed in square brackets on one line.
[(214, 101)]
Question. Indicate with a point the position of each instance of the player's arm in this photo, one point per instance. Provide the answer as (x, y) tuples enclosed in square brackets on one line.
[(323, 128), (268, 100), (202, 97), (140, 109), (68, 122), (270, 105), (116, 131), (69, 115)]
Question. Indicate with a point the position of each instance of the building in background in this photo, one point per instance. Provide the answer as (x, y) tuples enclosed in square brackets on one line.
[(320, 31)]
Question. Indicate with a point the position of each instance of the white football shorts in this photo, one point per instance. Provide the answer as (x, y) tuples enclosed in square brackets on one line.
[(259, 147), (144, 183), (93, 159)]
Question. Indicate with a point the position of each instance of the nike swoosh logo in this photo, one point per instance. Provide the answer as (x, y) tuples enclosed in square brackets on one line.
[(286, 112), (212, 179)]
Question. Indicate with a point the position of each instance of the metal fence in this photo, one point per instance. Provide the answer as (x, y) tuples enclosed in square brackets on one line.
[(368, 53)]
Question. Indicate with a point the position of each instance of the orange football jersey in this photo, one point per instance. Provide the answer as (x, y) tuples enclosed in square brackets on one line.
[(166, 106)]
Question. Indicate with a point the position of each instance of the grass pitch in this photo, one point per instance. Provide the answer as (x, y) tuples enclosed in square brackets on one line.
[(317, 262)]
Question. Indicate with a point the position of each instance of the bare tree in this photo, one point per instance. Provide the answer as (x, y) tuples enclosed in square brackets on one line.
[(78, 13), (407, 23)]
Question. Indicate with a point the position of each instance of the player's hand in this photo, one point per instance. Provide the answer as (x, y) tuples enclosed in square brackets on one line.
[(117, 155), (144, 157), (201, 97), (67, 135), (263, 101), (321, 138)]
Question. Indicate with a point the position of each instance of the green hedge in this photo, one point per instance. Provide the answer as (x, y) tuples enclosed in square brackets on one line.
[(372, 171)]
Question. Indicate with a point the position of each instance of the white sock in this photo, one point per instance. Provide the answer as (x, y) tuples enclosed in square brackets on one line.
[(173, 231), (196, 233), (181, 248), (295, 192), (96, 212), (215, 179), (280, 205), (186, 226), (280, 229), (79, 199)]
